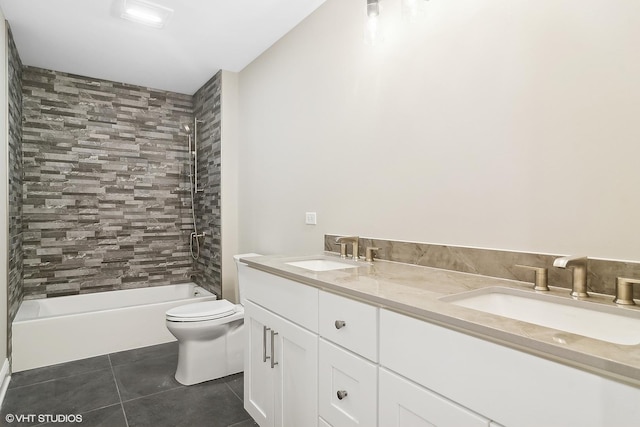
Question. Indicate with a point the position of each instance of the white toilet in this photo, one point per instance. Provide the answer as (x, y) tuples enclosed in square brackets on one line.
[(210, 338)]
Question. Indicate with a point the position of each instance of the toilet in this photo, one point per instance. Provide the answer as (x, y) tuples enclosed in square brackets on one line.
[(210, 338)]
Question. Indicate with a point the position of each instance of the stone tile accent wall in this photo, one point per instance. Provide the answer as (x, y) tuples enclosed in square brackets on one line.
[(15, 290), (207, 109), (602, 274), (105, 191)]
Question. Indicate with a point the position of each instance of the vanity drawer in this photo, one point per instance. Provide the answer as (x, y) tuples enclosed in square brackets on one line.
[(347, 387), (349, 323), (292, 300)]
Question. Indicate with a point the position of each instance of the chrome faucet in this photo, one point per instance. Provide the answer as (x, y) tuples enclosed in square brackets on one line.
[(578, 264), (343, 248)]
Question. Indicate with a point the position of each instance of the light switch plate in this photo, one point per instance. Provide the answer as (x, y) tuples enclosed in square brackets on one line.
[(310, 218)]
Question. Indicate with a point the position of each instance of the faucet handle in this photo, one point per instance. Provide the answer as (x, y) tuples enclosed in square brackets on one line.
[(368, 257), (343, 250), (624, 291), (542, 277)]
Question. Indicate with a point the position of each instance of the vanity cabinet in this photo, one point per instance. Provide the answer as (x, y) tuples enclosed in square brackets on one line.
[(347, 387), (314, 358), (281, 371), (508, 386), (259, 377), (348, 383), (350, 324), (405, 404), (281, 356)]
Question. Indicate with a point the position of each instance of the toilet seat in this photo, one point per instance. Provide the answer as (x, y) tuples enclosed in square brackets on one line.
[(201, 311)]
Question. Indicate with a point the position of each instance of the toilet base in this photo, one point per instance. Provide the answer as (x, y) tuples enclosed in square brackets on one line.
[(200, 361)]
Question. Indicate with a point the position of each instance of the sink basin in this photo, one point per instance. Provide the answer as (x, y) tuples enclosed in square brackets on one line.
[(321, 264), (607, 323)]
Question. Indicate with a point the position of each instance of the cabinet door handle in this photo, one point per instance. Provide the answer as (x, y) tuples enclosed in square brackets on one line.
[(340, 324), (264, 343), (273, 358), (342, 394)]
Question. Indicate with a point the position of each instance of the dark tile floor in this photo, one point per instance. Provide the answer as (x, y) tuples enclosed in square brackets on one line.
[(134, 388)]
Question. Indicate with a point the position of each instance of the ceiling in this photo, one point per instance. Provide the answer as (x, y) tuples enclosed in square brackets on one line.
[(88, 37)]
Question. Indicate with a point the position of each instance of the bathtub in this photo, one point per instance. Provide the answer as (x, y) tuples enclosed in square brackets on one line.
[(55, 330)]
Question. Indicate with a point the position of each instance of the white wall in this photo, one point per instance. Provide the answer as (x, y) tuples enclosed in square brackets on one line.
[(4, 189), (229, 182), (493, 123)]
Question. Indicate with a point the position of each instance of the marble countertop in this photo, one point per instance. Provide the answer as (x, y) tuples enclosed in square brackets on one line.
[(416, 291)]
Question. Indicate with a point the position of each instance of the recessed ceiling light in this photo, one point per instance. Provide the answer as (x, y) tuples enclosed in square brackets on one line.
[(145, 12)]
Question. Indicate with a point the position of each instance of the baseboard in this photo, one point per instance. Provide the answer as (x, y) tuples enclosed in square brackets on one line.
[(5, 377)]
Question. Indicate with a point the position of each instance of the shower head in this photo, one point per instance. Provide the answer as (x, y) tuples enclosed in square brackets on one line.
[(187, 128)]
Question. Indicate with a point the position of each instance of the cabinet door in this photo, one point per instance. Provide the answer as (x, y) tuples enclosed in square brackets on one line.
[(348, 389), (281, 370), (482, 376), (259, 382), (296, 381), (405, 404)]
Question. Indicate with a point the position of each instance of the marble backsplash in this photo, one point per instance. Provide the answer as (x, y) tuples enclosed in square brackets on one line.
[(602, 274)]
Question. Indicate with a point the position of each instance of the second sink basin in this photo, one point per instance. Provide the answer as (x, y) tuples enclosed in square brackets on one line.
[(607, 323), (321, 264)]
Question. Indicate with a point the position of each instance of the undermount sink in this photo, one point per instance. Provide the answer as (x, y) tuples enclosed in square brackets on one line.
[(607, 323), (321, 264)]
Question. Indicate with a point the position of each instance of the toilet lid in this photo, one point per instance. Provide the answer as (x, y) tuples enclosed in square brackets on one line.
[(200, 311)]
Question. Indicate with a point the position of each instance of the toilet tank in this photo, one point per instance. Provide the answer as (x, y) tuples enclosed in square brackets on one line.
[(240, 284)]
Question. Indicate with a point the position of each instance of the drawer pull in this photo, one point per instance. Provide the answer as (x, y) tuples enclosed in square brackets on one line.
[(273, 356), (340, 324), (264, 343), (342, 394)]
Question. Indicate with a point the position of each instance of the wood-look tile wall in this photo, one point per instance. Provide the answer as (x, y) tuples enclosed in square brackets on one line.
[(105, 189)]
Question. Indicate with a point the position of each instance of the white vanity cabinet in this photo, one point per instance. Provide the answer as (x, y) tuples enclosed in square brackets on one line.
[(348, 349), (281, 356), (314, 358), (281, 378), (350, 324), (405, 404), (508, 386), (347, 387)]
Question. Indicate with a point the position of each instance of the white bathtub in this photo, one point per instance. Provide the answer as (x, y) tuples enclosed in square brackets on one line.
[(62, 329)]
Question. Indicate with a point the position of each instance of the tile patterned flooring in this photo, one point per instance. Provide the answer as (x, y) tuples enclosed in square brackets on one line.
[(134, 388)]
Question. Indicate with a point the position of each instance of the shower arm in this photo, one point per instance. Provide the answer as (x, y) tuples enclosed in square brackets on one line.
[(195, 155)]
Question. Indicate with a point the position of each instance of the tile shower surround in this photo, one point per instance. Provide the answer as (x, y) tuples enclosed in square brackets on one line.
[(602, 274), (206, 101), (14, 287), (105, 193)]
